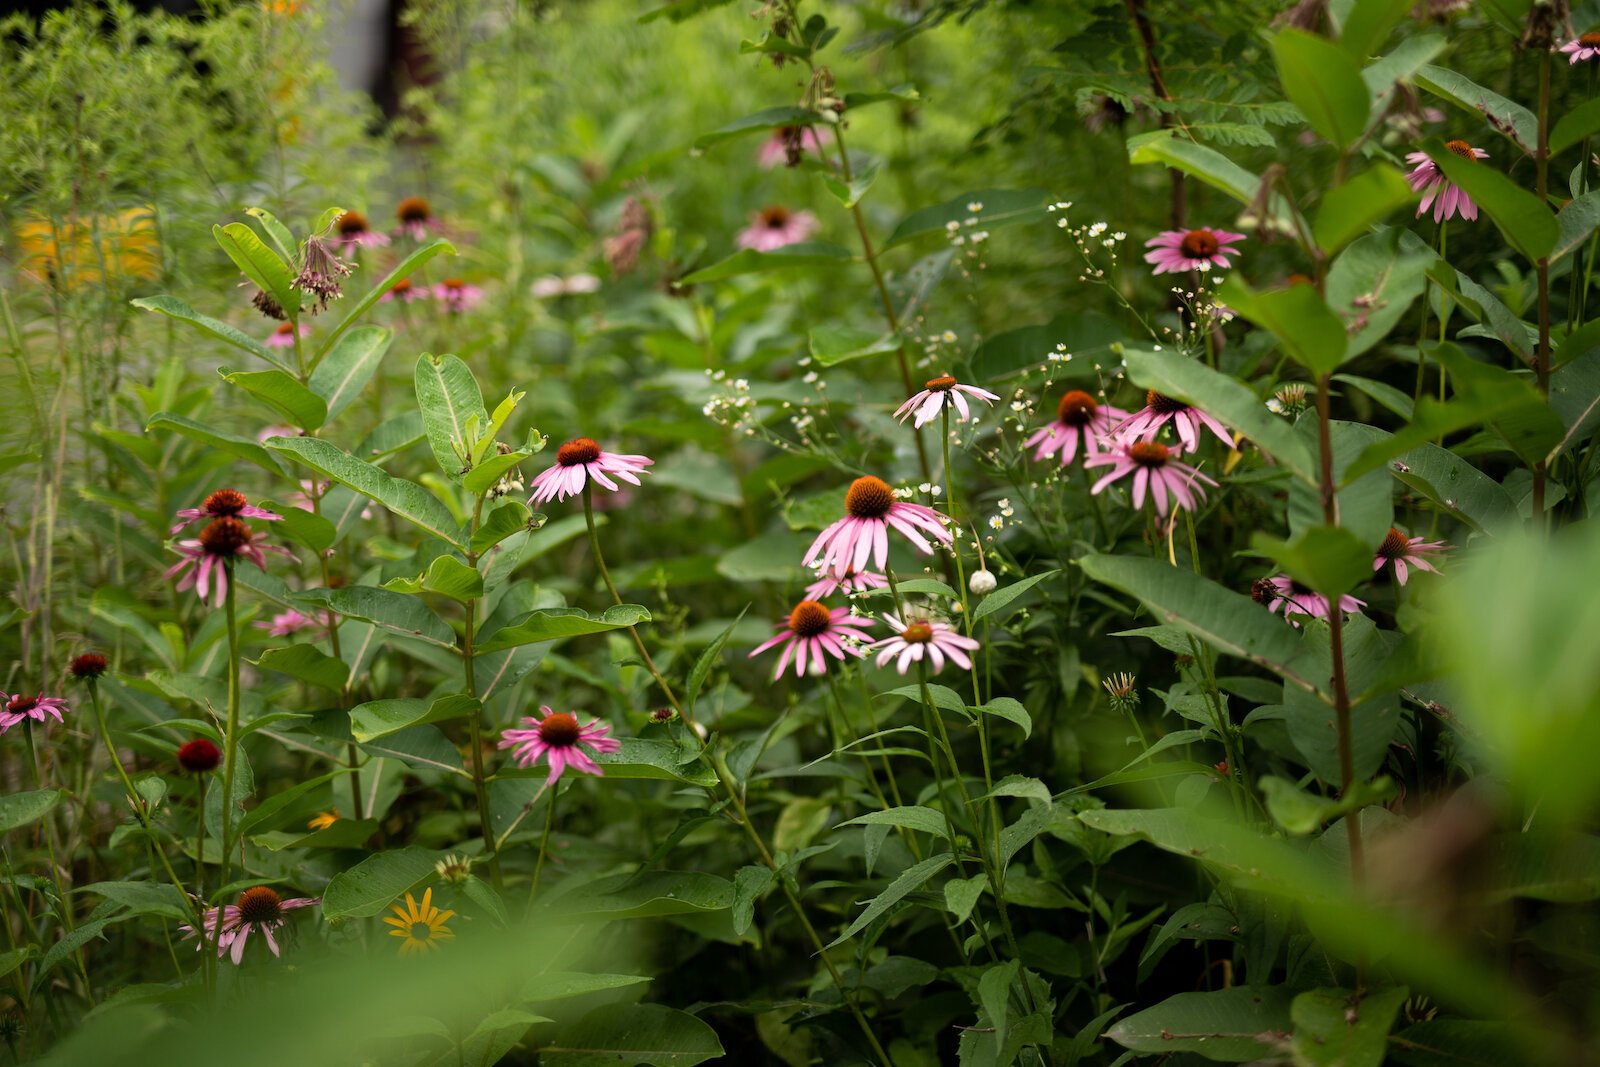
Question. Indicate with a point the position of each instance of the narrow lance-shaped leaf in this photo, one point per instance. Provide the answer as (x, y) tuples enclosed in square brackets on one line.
[(406, 499), (345, 371), (404, 269)]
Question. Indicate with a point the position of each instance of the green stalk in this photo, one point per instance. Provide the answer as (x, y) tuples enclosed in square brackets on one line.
[(230, 740), (480, 788)]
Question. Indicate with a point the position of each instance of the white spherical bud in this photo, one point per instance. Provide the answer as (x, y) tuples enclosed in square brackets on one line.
[(982, 583)]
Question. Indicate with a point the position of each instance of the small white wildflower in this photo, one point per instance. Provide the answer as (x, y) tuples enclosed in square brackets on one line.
[(975, 206), (948, 336), (982, 583), (996, 522)]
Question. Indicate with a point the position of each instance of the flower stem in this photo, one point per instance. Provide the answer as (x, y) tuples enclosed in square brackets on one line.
[(1541, 358), (230, 739), (544, 842)]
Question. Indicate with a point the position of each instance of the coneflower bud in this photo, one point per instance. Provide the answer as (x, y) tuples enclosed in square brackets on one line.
[(1120, 687), (89, 666), (454, 869), (199, 756), (662, 715)]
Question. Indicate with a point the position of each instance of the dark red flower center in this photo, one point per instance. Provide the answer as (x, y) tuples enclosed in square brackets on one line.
[(560, 730), (774, 217), (401, 286), (19, 704), (1262, 591), (89, 665), (943, 384), (259, 905), (868, 498), (198, 756), (577, 451), (1394, 544), (352, 222), (413, 209), (1462, 149), (808, 619), (227, 503), (1589, 40), (1077, 408), (1200, 244), (454, 284), (224, 537), (1149, 453), (917, 632), (1163, 405)]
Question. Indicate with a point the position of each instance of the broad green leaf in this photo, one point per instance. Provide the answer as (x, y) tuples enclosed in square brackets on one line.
[(1529, 226), (307, 663), (446, 576), (1086, 337), (1365, 504), (260, 264), (283, 394), (910, 880), (641, 757), (420, 746), (1302, 813), (271, 810), (1510, 404), (404, 269), (1230, 621), (643, 895), (174, 308), (143, 898), (926, 820), (507, 518), (1182, 378), (1209, 166), (1347, 211), (1234, 1025), (406, 499), (749, 884), (1336, 1028), (555, 624), (380, 718), (1002, 597), (1374, 716), (395, 612), (771, 118), (1010, 710), (1324, 82), (282, 239), (1512, 120), (942, 696), (450, 402), (1455, 485), (833, 344), (1374, 282), (1297, 316), (1582, 121), (341, 375), (245, 448), (1447, 1042), (1367, 25), (21, 809), (298, 524), (378, 881), (749, 261), (961, 895), (849, 194), (1329, 559), (1575, 398), (1576, 221), (345, 833), (995, 208), (483, 477), (635, 1034), (708, 661)]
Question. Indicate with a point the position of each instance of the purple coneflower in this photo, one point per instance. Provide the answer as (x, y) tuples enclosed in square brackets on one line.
[(1079, 418), (561, 741), (579, 460), (199, 756), (415, 218), (916, 639), (457, 296), (788, 145), (851, 581), (1406, 552), (352, 232), (863, 533), (224, 504), (1437, 190), (935, 395), (812, 630), (775, 226), (405, 291), (1281, 591), (19, 707), (1159, 410), (1585, 46), (88, 667), (283, 336), (259, 908), (1153, 467), (206, 559), (290, 622), (1173, 251)]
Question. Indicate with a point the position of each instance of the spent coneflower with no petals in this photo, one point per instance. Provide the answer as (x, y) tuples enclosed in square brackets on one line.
[(224, 504), (199, 756), (560, 739), (1186, 419), (1280, 592), (1174, 251), (849, 582), (915, 639), (457, 295), (1406, 552), (420, 926), (284, 335), (206, 558), (259, 909), (811, 632), (1444, 195), (352, 231), (937, 393), (88, 667), (415, 217), (1582, 48), (788, 145), (320, 271), (775, 226), (579, 460), (871, 510), (1080, 419), (19, 707), (1171, 483), (405, 291)]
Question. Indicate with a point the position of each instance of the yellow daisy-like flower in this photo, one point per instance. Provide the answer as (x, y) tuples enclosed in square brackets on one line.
[(421, 927), (323, 819)]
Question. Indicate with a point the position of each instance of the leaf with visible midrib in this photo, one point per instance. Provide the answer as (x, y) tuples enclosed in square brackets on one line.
[(449, 398), (341, 376), (633, 1034), (553, 624), (395, 612), (406, 499), (373, 884)]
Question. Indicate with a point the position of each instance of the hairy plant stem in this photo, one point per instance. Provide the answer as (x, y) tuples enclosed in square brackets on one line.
[(480, 788), (230, 738), (1541, 358), (544, 842)]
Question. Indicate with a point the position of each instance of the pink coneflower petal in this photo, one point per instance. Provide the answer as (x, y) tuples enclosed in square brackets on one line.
[(1407, 552), (1446, 199), (1282, 592), (1173, 251), (560, 740), (774, 227), (1170, 482), (927, 404), (579, 460), (812, 630), (914, 639)]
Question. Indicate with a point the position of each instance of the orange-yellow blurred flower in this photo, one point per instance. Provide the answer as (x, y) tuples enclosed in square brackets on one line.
[(79, 251)]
